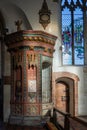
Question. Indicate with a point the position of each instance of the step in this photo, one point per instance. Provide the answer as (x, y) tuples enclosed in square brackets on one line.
[(29, 120)]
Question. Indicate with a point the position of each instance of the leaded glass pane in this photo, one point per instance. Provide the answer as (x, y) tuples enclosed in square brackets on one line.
[(72, 31), (62, 2), (66, 37), (78, 37)]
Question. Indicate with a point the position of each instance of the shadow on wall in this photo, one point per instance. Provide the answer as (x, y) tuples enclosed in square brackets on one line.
[(10, 13)]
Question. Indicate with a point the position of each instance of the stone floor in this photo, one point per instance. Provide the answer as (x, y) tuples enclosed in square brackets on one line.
[(84, 118), (78, 124), (75, 125)]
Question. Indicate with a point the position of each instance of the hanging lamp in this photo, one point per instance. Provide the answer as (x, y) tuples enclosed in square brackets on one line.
[(44, 15)]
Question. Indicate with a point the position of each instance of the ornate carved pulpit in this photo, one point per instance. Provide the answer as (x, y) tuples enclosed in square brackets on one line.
[(31, 75)]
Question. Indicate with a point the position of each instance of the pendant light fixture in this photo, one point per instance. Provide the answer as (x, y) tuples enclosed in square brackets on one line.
[(44, 15)]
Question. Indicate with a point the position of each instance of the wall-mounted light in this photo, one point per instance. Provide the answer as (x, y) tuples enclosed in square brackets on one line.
[(44, 15)]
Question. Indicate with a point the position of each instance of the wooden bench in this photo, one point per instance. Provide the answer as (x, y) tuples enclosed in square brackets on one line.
[(51, 126)]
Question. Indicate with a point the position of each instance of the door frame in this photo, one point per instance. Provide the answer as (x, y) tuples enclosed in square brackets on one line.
[(56, 78)]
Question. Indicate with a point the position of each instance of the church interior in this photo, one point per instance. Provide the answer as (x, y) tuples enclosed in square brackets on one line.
[(43, 65)]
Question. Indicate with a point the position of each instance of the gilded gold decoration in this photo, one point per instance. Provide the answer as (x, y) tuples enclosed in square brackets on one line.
[(31, 47), (25, 38), (40, 38), (32, 59), (29, 38), (36, 38), (46, 49)]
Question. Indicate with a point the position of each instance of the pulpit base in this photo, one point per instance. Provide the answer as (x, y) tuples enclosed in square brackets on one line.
[(28, 120)]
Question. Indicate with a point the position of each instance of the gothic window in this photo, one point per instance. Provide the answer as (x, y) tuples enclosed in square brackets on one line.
[(73, 31)]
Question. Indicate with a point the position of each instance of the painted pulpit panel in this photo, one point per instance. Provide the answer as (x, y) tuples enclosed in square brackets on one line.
[(31, 70), (30, 73), (31, 85), (46, 82)]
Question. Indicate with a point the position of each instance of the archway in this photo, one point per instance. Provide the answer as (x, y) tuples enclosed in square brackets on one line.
[(66, 84), (65, 88)]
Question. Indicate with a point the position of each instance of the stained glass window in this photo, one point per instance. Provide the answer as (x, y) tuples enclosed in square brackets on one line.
[(66, 37), (72, 32)]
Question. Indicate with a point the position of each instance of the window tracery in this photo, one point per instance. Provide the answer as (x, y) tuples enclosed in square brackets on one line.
[(73, 31)]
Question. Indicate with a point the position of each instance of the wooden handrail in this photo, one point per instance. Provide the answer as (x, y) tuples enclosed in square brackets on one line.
[(61, 112), (66, 119), (80, 121), (68, 122)]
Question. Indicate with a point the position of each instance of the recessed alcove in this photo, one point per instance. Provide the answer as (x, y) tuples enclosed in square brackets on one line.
[(46, 82)]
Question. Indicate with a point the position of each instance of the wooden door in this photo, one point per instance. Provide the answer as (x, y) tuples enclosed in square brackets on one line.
[(62, 97)]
